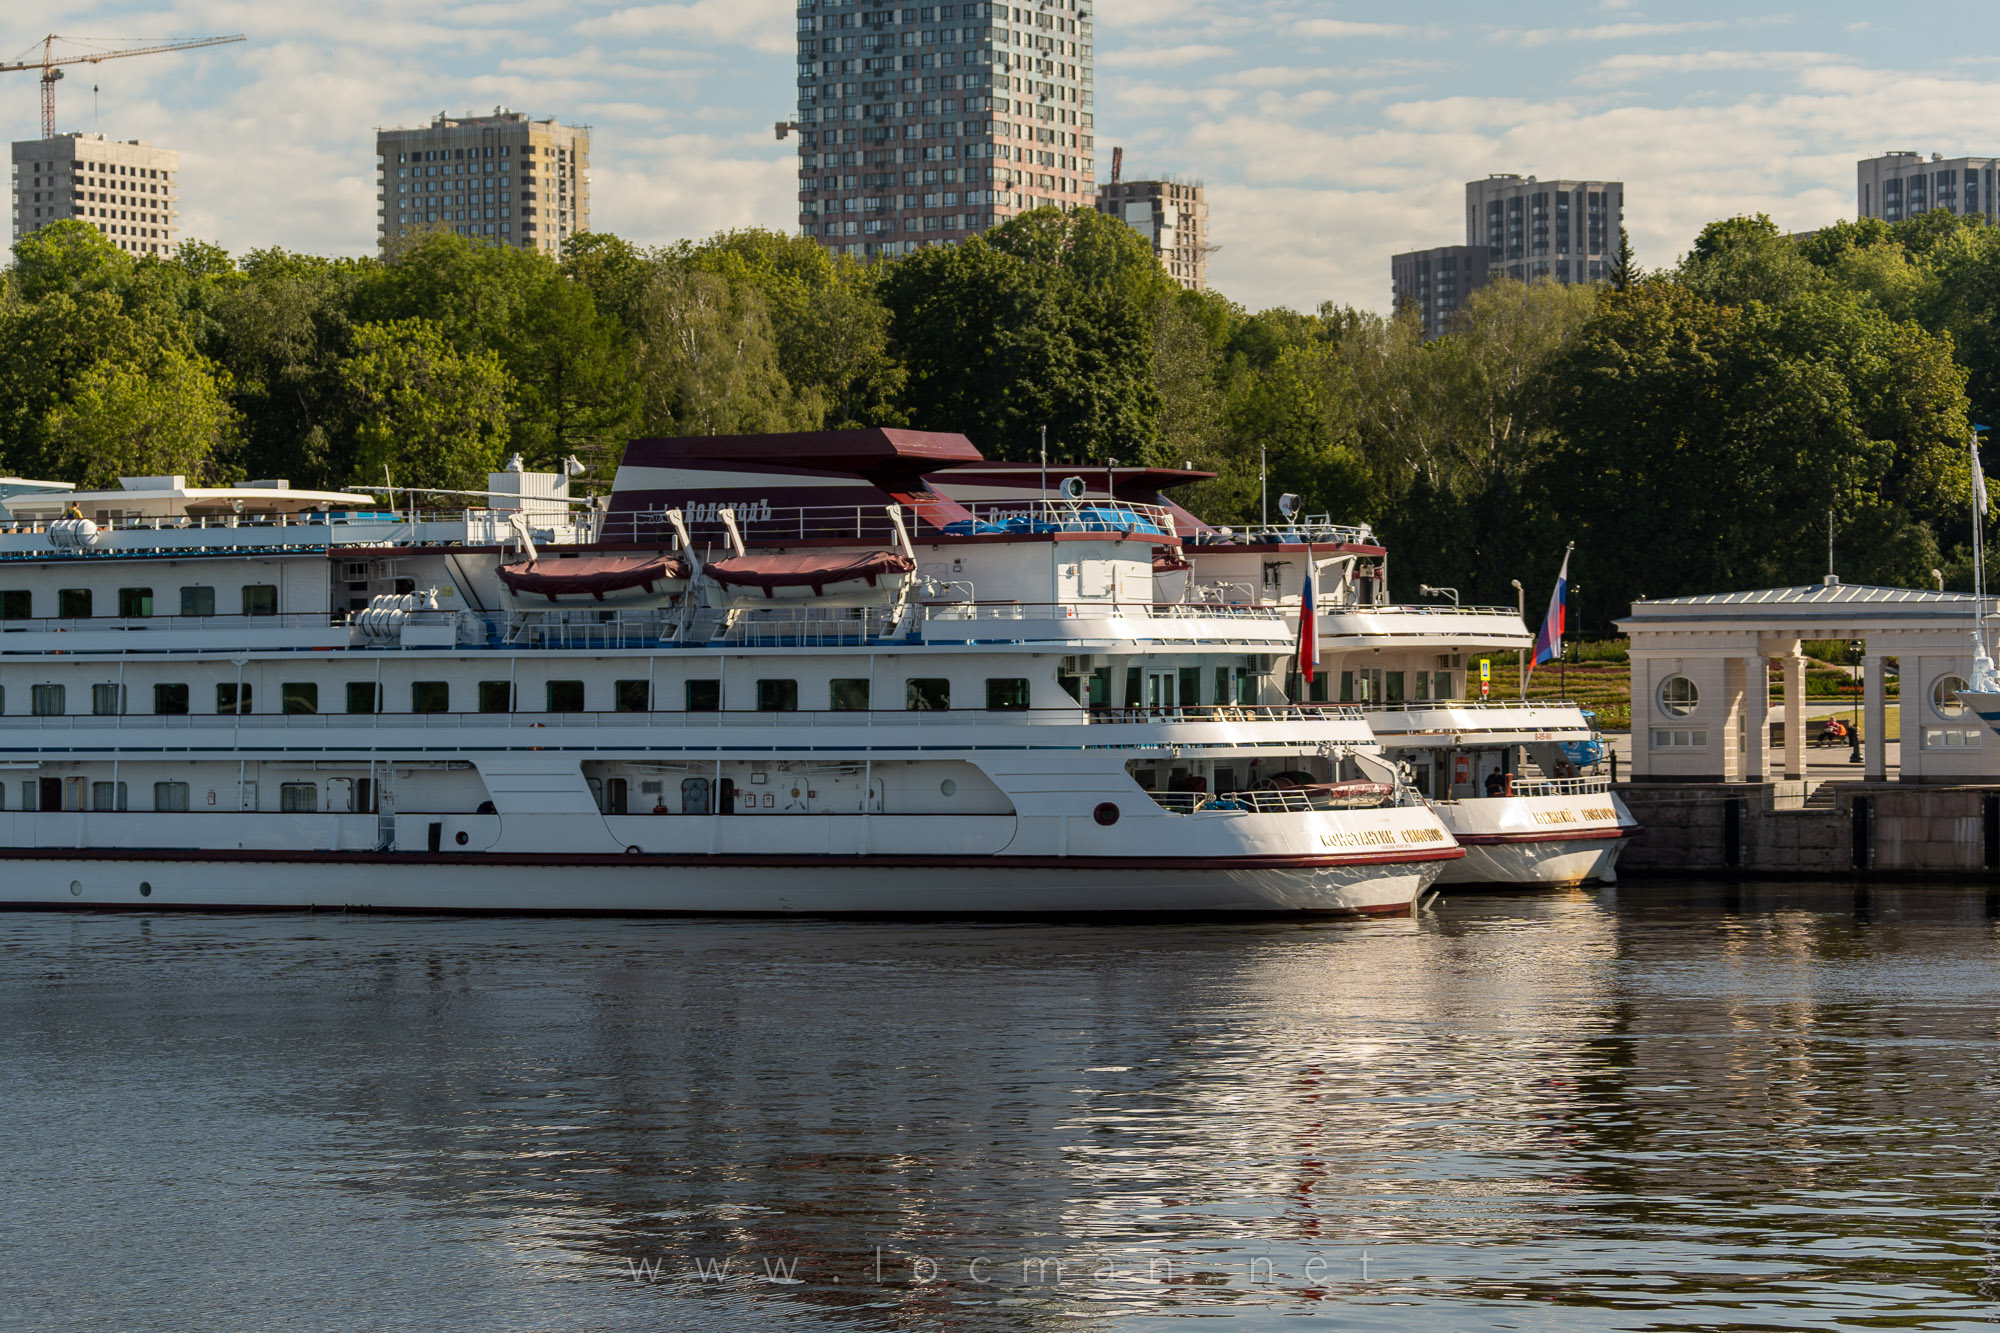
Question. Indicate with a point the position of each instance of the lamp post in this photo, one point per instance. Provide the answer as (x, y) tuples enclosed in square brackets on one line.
[(1854, 648), (1521, 658)]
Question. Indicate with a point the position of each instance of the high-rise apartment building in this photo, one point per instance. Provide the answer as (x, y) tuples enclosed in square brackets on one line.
[(1901, 185), (127, 190), (504, 178), (1173, 218), (926, 123), (1436, 283), (1565, 230)]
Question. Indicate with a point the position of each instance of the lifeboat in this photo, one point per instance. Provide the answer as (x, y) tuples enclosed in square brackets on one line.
[(596, 582), (831, 578)]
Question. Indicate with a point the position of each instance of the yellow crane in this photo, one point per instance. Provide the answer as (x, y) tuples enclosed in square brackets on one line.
[(50, 65)]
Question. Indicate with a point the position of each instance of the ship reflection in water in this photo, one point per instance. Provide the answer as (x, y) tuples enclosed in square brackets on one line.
[(1652, 1108)]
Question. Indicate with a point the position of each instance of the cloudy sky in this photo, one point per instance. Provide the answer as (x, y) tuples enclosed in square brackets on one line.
[(1330, 134)]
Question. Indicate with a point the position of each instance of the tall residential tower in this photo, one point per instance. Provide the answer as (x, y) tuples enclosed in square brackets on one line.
[(503, 177), (1901, 185), (127, 190), (1566, 230), (926, 123)]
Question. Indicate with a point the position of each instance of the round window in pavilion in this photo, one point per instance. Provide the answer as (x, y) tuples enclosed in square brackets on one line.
[(1679, 696)]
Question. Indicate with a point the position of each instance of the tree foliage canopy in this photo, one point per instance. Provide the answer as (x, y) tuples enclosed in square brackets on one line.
[(1689, 427)]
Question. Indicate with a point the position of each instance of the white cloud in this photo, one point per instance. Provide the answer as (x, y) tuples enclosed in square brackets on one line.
[(1164, 57)]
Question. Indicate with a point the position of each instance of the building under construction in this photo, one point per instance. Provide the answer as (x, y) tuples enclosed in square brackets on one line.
[(127, 190)]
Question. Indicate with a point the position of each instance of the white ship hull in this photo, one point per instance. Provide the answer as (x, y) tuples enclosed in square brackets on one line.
[(1547, 841), (905, 886)]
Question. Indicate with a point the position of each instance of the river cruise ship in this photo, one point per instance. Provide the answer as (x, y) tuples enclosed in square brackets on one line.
[(765, 675), (1519, 782)]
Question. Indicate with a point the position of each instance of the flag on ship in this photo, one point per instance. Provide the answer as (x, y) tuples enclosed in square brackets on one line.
[(1308, 626), (1549, 642)]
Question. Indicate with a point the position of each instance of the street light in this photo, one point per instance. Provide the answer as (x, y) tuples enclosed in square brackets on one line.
[(1521, 658), (1854, 647)]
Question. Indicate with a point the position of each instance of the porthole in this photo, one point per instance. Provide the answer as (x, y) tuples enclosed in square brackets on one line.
[(948, 787), (1679, 696), (1106, 814), (1944, 697), (145, 889)]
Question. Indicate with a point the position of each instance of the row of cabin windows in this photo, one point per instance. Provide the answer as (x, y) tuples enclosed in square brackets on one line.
[(259, 599), (294, 798), (920, 694)]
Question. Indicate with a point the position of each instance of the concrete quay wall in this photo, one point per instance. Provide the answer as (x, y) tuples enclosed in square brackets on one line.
[(1866, 828)]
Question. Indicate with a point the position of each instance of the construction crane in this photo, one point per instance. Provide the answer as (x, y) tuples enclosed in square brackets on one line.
[(49, 65)]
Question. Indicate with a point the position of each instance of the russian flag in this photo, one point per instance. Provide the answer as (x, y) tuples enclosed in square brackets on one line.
[(1549, 642), (1308, 626)]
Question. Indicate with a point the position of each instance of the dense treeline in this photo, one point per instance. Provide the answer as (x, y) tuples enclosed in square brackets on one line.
[(1690, 429)]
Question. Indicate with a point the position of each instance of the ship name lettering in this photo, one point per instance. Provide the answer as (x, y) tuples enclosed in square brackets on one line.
[(1370, 838)]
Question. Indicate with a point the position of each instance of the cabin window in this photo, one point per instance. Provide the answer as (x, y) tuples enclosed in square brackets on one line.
[(260, 599), (926, 695), (170, 700), (197, 601), (107, 700), (361, 696), (496, 696), (633, 696), (73, 604), (17, 604), (170, 796), (430, 696), (848, 696), (47, 700), (299, 697), (135, 603), (298, 798), (777, 696), (565, 696), (107, 796), (1006, 695), (704, 696), (232, 697)]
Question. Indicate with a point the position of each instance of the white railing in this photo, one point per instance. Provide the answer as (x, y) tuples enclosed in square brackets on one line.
[(1558, 786), (1289, 715)]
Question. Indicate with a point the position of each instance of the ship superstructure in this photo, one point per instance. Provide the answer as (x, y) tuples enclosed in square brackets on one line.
[(772, 674)]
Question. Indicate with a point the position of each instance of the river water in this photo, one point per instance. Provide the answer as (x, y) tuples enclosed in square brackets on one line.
[(1668, 1107)]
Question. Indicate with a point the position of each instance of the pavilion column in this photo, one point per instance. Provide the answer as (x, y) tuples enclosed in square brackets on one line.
[(1874, 730), (1756, 716), (1795, 717)]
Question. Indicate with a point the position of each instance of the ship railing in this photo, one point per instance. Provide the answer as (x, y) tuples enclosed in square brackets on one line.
[(1084, 515), (1558, 786), (527, 722), (1318, 529), (763, 524), (1280, 801), (1473, 705)]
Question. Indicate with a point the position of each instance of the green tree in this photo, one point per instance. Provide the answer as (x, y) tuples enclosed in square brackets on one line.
[(1047, 320), (120, 419), (707, 361), (432, 415)]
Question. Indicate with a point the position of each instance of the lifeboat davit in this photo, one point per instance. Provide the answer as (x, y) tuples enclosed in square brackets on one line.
[(831, 578), (596, 582)]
